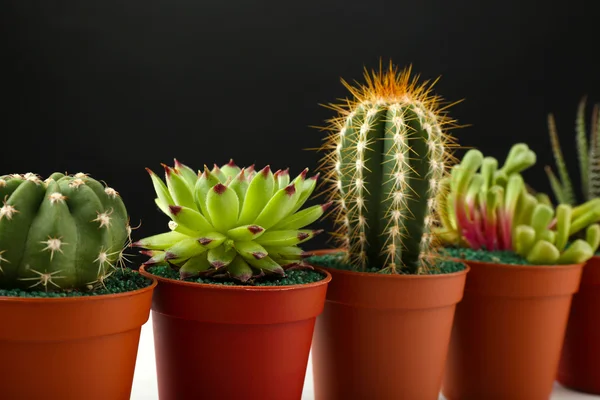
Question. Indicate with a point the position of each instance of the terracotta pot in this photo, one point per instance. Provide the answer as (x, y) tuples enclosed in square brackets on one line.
[(384, 336), (71, 348), (233, 342), (579, 367), (508, 331)]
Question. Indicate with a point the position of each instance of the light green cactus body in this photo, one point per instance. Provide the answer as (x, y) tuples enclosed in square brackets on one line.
[(67, 232), (490, 208), (391, 159), (232, 222)]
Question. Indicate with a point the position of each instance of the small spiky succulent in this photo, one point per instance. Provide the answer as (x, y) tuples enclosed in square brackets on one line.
[(588, 154), (66, 232), (386, 154), (232, 222), (486, 207)]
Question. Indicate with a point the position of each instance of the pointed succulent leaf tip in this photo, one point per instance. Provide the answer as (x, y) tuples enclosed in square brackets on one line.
[(290, 189), (302, 235), (259, 255), (170, 256), (231, 163), (254, 229), (326, 206), (306, 254), (204, 241), (218, 264), (177, 163), (266, 170), (175, 209), (242, 175), (303, 174), (315, 177), (219, 188), (168, 170)]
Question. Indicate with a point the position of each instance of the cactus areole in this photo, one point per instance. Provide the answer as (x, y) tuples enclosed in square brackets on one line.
[(66, 232), (387, 152), (232, 222)]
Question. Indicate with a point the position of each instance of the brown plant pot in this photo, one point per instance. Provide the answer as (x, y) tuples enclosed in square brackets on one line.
[(508, 331), (384, 337), (233, 342), (579, 367), (71, 348)]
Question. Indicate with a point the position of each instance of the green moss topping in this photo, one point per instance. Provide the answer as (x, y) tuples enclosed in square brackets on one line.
[(120, 281), (500, 257), (294, 277), (335, 261)]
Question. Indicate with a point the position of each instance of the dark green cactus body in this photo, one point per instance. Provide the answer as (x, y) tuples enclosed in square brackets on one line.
[(390, 160), (67, 232)]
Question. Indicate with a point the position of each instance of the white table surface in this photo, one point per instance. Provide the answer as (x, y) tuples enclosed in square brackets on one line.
[(145, 388)]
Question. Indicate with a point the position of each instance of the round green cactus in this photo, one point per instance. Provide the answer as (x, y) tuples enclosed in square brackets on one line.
[(231, 221), (67, 232)]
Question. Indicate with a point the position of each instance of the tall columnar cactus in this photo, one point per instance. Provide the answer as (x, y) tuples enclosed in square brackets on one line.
[(387, 153), (588, 154), (67, 232), (489, 208), (232, 222)]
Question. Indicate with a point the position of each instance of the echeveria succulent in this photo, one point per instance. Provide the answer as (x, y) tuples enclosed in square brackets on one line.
[(231, 221), (66, 232), (489, 208)]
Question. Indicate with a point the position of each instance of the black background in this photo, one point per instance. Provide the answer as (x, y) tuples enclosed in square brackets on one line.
[(110, 87)]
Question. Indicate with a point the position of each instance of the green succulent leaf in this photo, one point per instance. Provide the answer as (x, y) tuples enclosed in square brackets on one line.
[(179, 188), (245, 232), (194, 266), (260, 191), (223, 205)]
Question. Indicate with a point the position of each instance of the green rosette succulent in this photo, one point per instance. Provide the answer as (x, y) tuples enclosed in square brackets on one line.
[(66, 232), (232, 222)]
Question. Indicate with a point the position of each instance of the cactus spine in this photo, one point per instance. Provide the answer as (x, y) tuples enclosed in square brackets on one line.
[(67, 232), (387, 155)]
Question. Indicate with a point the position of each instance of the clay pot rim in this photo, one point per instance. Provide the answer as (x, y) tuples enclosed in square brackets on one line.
[(212, 286), (74, 299), (375, 275)]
